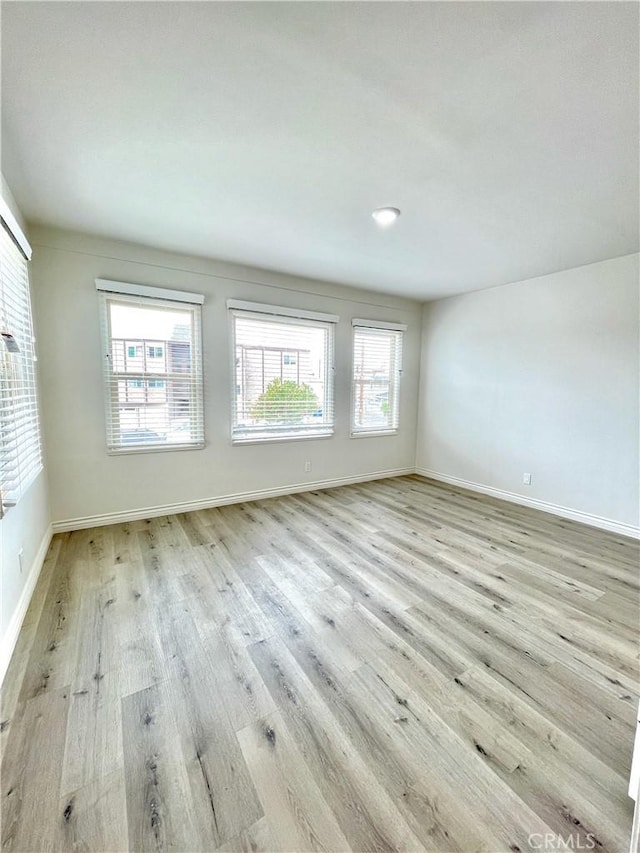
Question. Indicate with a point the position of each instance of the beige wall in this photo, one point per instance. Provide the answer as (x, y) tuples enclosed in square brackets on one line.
[(540, 376), (86, 482)]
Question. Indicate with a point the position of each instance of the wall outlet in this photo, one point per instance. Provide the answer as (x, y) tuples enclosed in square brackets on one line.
[(307, 466), (526, 479), (21, 559)]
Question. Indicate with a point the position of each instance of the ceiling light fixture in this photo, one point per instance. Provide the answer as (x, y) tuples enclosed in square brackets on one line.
[(386, 216)]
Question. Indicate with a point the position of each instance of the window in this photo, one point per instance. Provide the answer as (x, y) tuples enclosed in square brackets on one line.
[(20, 450), (377, 367), (153, 397), (283, 372)]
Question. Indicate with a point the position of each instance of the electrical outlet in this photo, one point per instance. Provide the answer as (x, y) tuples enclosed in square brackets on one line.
[(526, 479), (20, 559), (307, 466)]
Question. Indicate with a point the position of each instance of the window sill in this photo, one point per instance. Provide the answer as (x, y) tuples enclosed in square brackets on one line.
[(279, 439), (374, 433), (165, 448)]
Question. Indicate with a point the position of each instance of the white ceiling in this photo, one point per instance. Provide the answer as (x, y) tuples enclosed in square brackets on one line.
[(265, 133)]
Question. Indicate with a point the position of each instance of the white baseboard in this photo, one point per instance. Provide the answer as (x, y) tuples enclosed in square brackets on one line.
[(240, 497), (544, 506), (8, 642)]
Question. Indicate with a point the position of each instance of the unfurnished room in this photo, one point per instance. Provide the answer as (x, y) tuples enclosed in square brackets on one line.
[(319, 426)]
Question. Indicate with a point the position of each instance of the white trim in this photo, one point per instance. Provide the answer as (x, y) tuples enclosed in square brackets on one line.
[(635, 829), (299, 313), (10, 638), (634, 789), (240, 497), (372, 433), (379, 324), (563, 511), (14, 228), (124, 450), (634, 778), (144, 290), (278, 439)]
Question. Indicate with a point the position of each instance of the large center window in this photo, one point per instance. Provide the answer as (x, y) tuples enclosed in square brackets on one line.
[(283, 373)]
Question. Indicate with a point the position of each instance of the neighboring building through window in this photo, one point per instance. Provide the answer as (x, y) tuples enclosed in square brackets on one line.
[(20, 446), (283, 372), (377, 368), (153, 367)]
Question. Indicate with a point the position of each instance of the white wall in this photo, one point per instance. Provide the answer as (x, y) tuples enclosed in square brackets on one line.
[(26, 527), (87, 482), (539, 376)]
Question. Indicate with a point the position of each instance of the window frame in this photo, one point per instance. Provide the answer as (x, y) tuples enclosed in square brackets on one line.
[(142, 295), (274, 313), (32, 447), (358, 324)]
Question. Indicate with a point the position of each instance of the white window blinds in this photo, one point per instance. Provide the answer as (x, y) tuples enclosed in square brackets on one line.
[(377, 368), (283, 373), (152, 368), (20, 445)]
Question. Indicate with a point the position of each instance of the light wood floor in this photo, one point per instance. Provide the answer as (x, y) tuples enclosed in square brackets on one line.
[(397, 665)]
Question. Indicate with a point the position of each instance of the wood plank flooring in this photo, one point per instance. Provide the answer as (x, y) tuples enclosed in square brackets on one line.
[(397, 665)]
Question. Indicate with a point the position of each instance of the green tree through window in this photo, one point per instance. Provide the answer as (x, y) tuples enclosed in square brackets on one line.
[(286, 402)]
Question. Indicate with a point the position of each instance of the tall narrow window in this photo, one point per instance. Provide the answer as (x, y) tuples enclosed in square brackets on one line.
[(377, 368), (20, 450), (152, 367), (283, 372)]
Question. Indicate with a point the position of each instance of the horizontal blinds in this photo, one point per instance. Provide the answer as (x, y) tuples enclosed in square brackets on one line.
[(152, 373), (283, 376), (377, 367), (20, 442)]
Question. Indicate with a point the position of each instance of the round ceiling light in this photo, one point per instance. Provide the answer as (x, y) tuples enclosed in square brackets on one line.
[(386, 216)]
